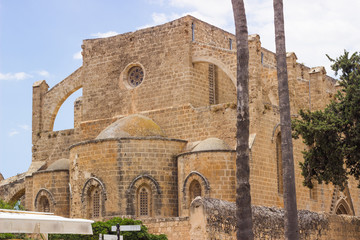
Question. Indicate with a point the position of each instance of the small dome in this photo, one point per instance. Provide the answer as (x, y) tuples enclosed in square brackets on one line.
[(61, 164), (211, 144), (132, 126)]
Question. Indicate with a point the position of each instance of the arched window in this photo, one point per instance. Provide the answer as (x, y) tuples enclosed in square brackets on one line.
[(343, 207), (44, 201), (44, 205), (94, 202), (144, 201), (93, 197), (212, 84), (194, 190), (341, 210), (313, 191), (279, 164)]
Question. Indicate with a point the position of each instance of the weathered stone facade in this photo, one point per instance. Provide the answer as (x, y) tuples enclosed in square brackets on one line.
[(215, 219), (156, 127)]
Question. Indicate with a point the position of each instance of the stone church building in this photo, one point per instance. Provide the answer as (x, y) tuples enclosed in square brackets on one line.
[(156, 124)]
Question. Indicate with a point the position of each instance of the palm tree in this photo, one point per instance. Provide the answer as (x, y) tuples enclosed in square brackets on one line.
[(291, 218), (243, 198)]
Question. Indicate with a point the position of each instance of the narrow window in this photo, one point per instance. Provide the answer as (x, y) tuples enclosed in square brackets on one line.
[(96, 204), (193, 31), (341, 210), (195, 190), (262, 58), (212, 84), (44, 205), (313, 192), (279, 164), (143, 202), (230, 43)]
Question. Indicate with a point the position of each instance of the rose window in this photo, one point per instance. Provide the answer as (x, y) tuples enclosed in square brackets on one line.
[(135, 76)]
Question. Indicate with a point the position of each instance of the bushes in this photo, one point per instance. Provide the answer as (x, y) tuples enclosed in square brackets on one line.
[(16, 206), (105, 228)]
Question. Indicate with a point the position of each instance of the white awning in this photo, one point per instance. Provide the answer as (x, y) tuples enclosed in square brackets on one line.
[(12, 221)]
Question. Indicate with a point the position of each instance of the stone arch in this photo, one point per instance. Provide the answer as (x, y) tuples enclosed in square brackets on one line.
[(14, 191), (198, 176), (93, 181), (218, 63), (132, 191), (19, 196), (341, 202), (57, 95), (91, 185), (204, 184), (342, 207), (59, 104), (275, 132), (43, 192)]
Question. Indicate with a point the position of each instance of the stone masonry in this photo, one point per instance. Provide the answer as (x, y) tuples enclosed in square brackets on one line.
[(156, 126)]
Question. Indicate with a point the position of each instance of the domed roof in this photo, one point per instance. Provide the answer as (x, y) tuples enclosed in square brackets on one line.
[(132, 126), (61, 164), (211, 144)]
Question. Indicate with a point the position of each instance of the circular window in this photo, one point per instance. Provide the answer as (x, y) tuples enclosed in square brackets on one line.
[(135, 76)]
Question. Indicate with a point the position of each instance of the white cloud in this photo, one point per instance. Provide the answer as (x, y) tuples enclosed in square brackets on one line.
[(161, 18), (13, 133), (313, 28), (215, 12), (77, 55), (104, 35), (24, 127), (43, 73), (15, 76)]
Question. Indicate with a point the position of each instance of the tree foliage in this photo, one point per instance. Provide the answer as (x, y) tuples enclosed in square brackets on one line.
[(105, 228), (11, 205), (333, 134), (16, 206)]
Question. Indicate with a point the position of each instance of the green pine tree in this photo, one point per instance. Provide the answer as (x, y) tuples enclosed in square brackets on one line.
[(333, 134)]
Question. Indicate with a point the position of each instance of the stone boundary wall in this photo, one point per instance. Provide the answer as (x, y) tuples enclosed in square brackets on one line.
[(215, 219), (174, 228)]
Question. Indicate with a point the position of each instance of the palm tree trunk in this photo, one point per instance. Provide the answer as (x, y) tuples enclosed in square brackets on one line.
[(291, 218), (243, 198)]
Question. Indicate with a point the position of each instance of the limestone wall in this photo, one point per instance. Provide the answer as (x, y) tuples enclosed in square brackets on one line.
[(162, 51), (214, 170), (53, 145), (215, 219), (174, 228), (122, 166), (175, 94), (54, 186)]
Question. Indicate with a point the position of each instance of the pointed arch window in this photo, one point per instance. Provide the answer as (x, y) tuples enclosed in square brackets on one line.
[(341, 210), (93, 197), (313, 191), (279, 164), (44, 205), (194, 190), (94, 202), (144, 201), (212, 84)]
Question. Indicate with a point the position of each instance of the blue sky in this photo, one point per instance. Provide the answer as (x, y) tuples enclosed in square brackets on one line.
[(41, 40)]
